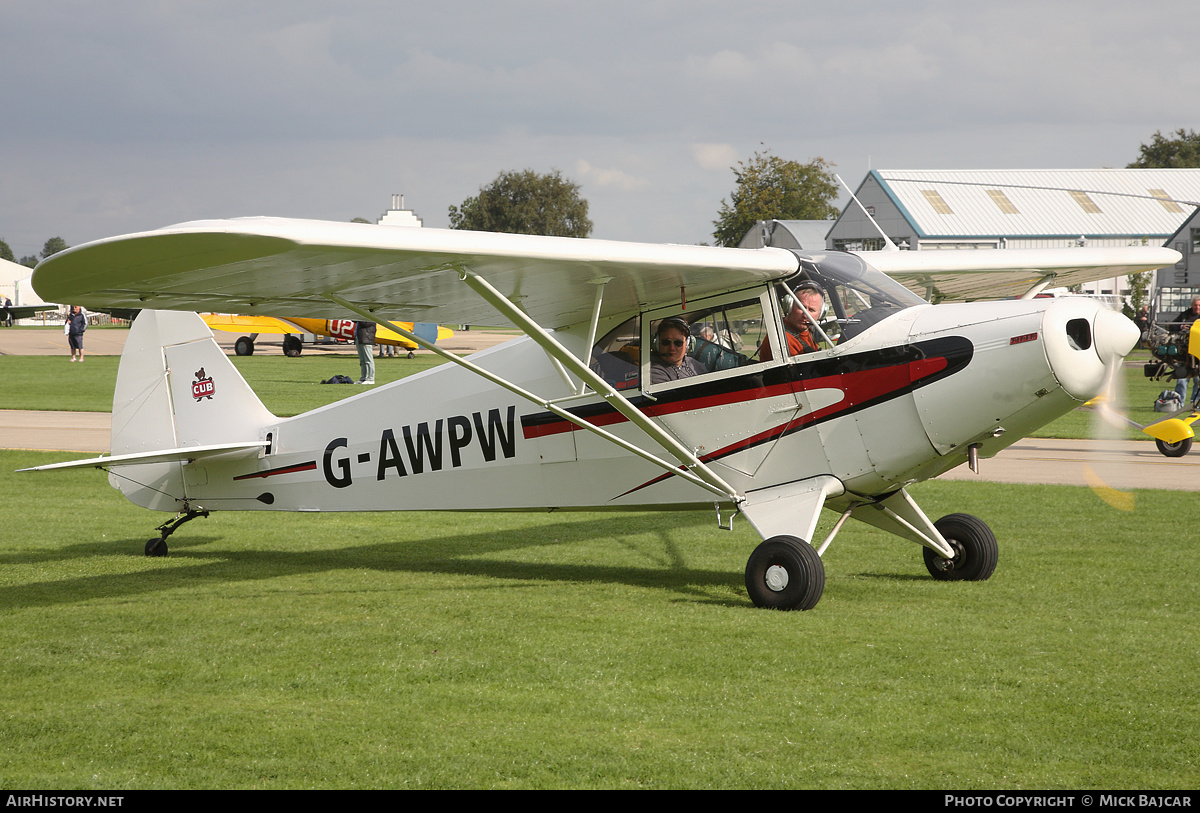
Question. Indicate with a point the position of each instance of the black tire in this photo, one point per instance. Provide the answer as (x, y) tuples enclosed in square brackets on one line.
[(292, 346), (1174, 449), (785, 573), (156, 547), (244, 346), (975, 550)]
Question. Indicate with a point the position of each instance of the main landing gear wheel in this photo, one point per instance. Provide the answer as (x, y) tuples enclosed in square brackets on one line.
[(156, 547), (785, 573), (292, 346), (1174, 449), (244, 346), (975, 550)]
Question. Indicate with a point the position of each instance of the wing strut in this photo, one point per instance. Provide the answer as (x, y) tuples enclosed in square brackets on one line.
[(719, 487), (599, 282), (1039, 286), (618, 401)]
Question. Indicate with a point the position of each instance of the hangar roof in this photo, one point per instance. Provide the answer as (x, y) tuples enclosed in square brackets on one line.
[(1042, 202)]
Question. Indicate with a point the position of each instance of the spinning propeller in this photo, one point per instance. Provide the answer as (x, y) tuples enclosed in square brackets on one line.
[(1108, 424)]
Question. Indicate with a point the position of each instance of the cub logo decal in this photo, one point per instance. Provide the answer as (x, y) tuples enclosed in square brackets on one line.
[(203, 386)]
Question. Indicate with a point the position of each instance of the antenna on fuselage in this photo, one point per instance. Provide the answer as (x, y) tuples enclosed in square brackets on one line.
[(887, 241)]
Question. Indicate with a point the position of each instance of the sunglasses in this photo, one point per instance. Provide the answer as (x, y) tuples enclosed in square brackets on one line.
[(672, 342)]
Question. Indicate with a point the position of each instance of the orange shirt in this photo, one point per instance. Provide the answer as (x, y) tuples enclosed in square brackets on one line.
[(797, 344)]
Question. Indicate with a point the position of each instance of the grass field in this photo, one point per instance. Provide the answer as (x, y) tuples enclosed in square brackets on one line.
[(582, 650), (286, 386), (614, 651)]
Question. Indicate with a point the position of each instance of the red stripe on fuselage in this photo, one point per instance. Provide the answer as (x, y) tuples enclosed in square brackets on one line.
[(857, 387), (611, 416), (309, 466)]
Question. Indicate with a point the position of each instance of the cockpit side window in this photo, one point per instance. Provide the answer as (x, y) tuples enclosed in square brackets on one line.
[(618, 356), (858, 295), (718, 338)]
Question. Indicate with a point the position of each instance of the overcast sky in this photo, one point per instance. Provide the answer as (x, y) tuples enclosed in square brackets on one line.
[(124, 116)]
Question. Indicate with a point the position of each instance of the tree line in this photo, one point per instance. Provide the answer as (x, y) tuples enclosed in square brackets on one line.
[(53, 246)]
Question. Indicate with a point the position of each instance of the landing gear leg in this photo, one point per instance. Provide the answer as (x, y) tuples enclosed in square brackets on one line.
[(158, 546)]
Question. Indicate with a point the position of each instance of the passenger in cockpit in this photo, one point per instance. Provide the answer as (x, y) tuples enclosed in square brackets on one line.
[(669, 359)]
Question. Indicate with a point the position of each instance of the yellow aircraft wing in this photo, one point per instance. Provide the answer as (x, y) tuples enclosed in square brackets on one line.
[(334, 328)]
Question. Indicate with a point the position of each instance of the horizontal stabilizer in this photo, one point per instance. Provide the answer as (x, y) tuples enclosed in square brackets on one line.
[(182, 455)]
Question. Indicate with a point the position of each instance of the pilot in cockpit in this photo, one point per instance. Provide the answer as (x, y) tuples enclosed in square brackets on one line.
[(803, 307)]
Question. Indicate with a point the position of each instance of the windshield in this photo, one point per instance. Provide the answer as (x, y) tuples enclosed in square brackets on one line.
[(859, 295)]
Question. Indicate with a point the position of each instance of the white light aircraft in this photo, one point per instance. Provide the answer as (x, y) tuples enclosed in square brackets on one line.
[(570, 416)]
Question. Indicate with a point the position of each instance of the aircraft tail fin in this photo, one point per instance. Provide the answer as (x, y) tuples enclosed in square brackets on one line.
[(176, 388)]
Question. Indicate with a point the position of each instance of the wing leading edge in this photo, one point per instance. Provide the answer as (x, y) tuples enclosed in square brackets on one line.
[(273, 265), (266, 266)]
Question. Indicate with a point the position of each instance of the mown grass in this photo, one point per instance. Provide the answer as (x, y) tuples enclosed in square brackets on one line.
[(287, 386), (586, 650)]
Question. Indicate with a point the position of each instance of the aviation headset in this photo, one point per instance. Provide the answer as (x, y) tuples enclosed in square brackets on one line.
[(792, 299), (682, 326)]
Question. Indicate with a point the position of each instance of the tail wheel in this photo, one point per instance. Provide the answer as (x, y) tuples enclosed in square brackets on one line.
[(1174, 449), (975, 550), (785, 573)]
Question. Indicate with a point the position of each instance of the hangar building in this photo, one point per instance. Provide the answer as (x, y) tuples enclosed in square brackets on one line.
[(1035, 208)]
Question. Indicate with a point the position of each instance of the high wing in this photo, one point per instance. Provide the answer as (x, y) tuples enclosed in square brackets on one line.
[(273, 265), (1004, 273)]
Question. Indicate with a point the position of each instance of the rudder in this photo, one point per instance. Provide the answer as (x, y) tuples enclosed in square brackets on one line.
[(176, 388)]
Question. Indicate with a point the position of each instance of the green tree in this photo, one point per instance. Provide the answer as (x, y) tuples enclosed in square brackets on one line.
[(1139, 292), (770, 188), (526, 202), (29, 261), (6, 252), (1170, 153), (53, 246)]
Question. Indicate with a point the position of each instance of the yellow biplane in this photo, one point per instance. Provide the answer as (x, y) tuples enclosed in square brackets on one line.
[(339, 329)]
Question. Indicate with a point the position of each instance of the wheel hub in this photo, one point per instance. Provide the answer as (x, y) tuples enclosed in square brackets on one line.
[(776, 578), (958, 560)]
